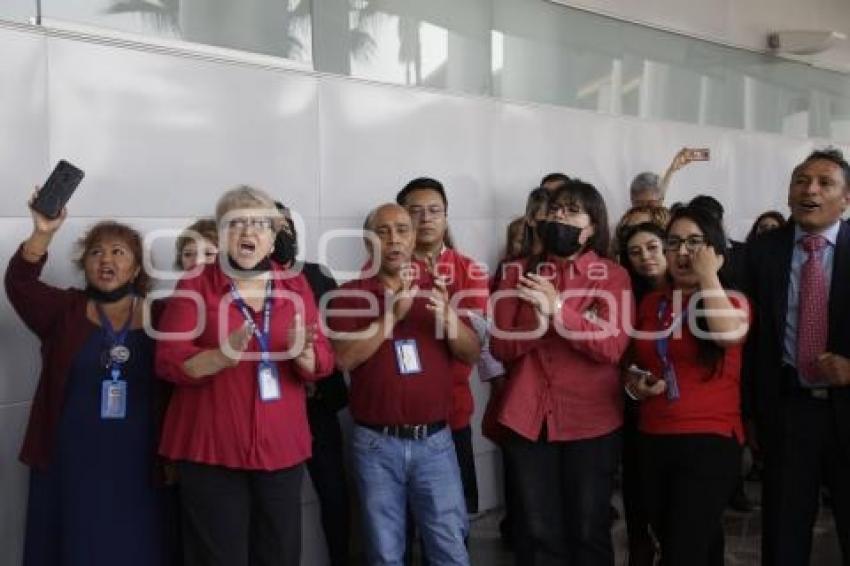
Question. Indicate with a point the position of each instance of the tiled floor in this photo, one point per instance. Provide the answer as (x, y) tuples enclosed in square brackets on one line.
[(742, 539)]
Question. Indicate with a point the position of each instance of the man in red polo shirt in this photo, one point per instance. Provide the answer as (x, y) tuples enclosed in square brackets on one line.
[(397, 336), (467, 282)]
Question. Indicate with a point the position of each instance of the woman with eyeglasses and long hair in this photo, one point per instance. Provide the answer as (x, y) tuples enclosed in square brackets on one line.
[(687, 381), (239, 341), (563, 401)]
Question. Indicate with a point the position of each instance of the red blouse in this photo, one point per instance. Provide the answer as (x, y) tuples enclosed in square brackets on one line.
[(220, 419), (709, 401), (570, 385)]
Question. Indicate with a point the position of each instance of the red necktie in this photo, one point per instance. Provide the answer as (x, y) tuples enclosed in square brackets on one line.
[(813, 308)]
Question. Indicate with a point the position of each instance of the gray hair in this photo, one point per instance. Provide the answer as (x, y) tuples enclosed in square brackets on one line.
[(646, 181), (244, 196)]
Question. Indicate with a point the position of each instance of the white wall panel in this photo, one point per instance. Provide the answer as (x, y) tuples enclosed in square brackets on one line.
[(162, 136), (14, 482), (529, 141), (376, 138), (23, 112), (165, 135)]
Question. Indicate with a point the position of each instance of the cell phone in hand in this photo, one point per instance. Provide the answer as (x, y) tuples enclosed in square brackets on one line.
[(57, 190), (642, 374), (699, 153)]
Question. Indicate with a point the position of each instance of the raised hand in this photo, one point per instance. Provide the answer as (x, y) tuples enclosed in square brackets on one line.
[(403, 299), (237, 342), (41, 223)]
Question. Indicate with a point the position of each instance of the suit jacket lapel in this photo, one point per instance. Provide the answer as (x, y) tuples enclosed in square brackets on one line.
[(839, 283), (782, 276)]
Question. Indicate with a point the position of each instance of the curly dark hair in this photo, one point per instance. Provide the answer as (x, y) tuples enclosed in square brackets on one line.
[(112, 229)]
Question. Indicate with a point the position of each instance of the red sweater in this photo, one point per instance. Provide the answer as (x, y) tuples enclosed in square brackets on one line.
[(58, 318)]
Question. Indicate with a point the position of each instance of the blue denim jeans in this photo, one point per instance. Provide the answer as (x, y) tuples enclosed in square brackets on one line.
[(390, 473)]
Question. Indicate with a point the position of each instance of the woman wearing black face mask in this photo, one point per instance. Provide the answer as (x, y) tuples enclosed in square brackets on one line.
[(562, 399), (325, 399), (90, 441)]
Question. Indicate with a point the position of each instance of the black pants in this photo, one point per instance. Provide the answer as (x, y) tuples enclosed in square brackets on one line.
[(327, 471), (240, 517), (564, 493), (798, 460), (641, 547), (466, 461), (687, 481)]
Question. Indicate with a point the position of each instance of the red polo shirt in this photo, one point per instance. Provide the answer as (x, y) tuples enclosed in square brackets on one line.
[(220, 419), (380, 394), (466, 276), (570, 385), (709, 401)]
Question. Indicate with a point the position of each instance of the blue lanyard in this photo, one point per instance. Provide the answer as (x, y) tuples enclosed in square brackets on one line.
[(115, 338), (262, 336), (662, 347)]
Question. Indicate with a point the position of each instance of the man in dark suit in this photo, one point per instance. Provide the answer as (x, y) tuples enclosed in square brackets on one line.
[(797, 365)]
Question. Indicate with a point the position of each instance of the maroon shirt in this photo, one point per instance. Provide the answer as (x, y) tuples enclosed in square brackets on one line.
[(220, 419), (380, 394)]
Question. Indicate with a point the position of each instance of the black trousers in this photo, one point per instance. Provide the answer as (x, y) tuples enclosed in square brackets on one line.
[(466, 462), (327, 471), (240, 517), (641, 547), (687, 481), (564, 492), (798, 460)]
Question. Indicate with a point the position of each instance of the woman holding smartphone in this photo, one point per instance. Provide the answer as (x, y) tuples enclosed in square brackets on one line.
[(690, 419), (90, 440)]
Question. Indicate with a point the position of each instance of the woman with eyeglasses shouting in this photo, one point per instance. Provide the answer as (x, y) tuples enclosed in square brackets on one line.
[(558, 328), (687, 380), (238, 341)]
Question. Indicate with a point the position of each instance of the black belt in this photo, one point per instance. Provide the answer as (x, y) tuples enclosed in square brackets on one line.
[(410, 432), (796, 389)]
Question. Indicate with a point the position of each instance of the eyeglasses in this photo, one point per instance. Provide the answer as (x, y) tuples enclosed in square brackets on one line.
[(692, 243), (255, 222), (419, 211)]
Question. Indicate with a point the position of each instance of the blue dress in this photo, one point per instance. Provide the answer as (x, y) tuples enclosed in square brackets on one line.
[(96, 504)]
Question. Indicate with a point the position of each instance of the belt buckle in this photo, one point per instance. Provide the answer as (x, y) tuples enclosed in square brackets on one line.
[(420, 431), (821, 394)]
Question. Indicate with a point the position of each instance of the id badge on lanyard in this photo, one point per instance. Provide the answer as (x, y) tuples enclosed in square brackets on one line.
[(113, 391), (113, 397), (662, 348), (407, 357), (268, 376)]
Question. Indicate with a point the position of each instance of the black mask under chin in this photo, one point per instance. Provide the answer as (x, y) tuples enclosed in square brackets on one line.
[(285, 248), (559, 239), (264, 264), (107, 297)]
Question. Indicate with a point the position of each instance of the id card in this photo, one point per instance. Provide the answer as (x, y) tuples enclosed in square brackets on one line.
[(113, 399), (268, 382), (407, 356)]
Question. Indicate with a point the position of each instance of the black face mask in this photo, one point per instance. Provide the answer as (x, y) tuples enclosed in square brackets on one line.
[(559, 239), (285, 248), (107, 297), (265, 264)]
